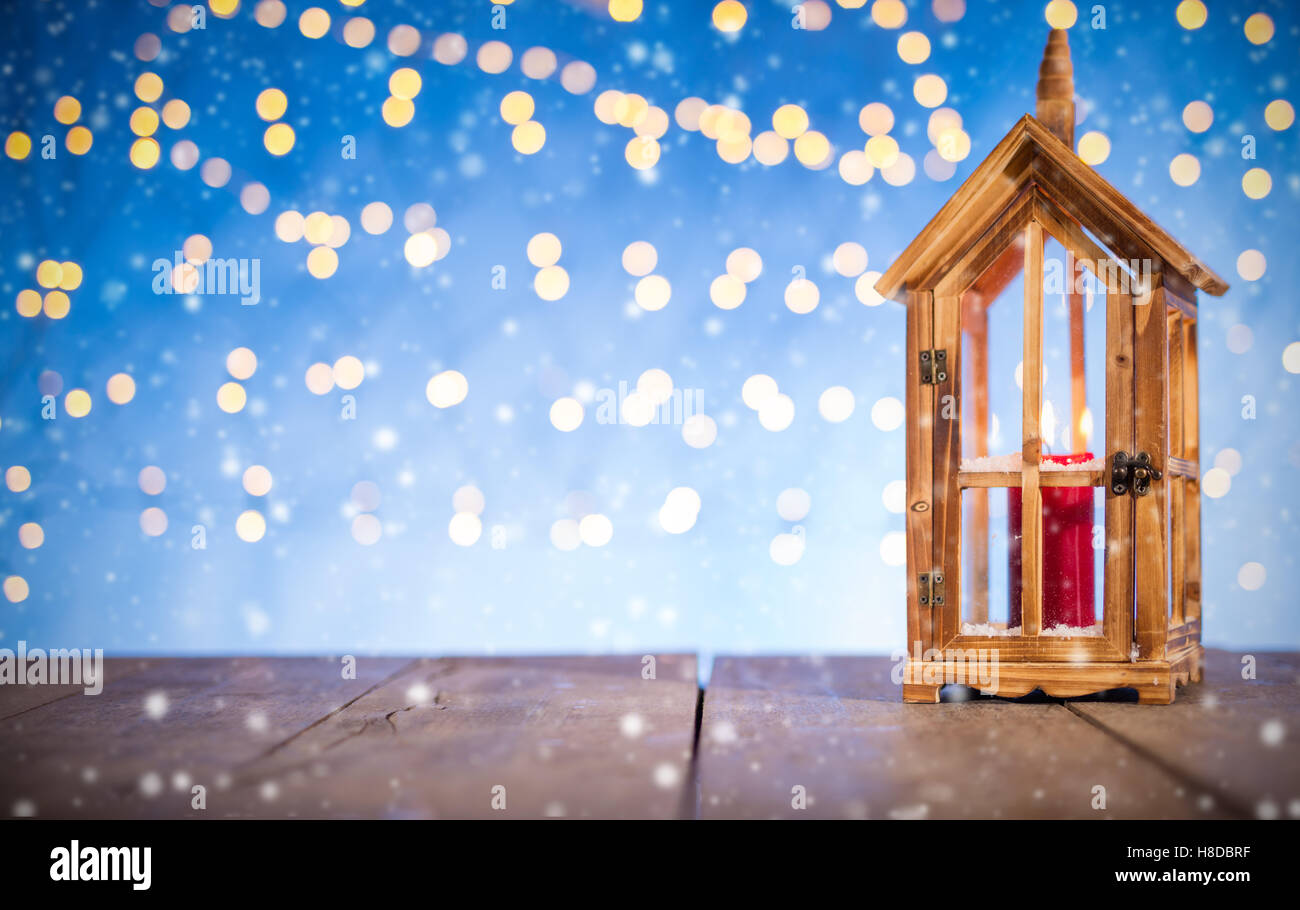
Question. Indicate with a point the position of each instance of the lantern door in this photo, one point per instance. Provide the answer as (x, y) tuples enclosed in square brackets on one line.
[(1033, 545)]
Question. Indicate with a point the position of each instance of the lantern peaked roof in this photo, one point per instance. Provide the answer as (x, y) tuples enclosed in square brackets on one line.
[(1037, 155)]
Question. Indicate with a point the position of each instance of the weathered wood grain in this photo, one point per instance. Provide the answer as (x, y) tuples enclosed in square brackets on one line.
[(1234, 737), (18, 699), (106, 756), (837, 727), (576, 737)]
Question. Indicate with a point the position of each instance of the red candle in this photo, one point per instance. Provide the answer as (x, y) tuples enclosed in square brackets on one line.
[(1068, 583)]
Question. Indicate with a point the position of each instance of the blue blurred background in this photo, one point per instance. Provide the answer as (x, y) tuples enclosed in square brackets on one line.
[(307, 585)]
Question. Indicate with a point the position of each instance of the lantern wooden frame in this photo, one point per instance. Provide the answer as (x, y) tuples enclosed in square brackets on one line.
[(1031, 187)]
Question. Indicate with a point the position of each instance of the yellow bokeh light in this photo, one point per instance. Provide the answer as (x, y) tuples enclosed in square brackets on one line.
[(913, 47), (16, 589), (250, 526), (653, 292), (1061, 14), (49, 273), (640, 258), (241, 363), (197, 249), (447, 389), (358, 32), (348, 372), (1259, 28), (30, 535), (1279, 114), (624, 10), (376, 218), (1185, 170), (144, 153), (889, 13), (79, 140), (494, 57), (1198, 116), (654, 124), (1094, 147), (855, 167), (643, 152), (1256, 183), (278, 139), (730, 16), (318, 227), (176, 114), (120, 388), (71, 276), (953, 144), (1191, 14), (77, 403), (517, 107), (223, 9), (727, 292), (322, 262), (744, 263), (231, 397), (270, 13), (528, 137), (314, 22), (257, 480), (770, 148), (67, 110), (57, 305), (551, 283), (790, 121), (688, 112), (544, 249), (420, 249), (876, 119), (18, 479), (606, 106), (630, 109), (405, 83), (28, 303), (148, 87), (271, 104), (812, 149), (144, 121), (930, 90), (319, 378), (289, 226), (18, 145), (882, 151)]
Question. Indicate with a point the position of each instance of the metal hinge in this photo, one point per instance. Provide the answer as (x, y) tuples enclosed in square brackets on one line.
[(929, 587), (934, 367)]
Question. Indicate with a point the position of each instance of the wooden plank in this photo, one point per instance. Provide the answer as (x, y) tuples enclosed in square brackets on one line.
[(919, 405), (1078, 374), (1192, 502), (995, 479), (976, 319), (18, 699), (1117, 584), (103, 755), (835, 727), (1230, 738), (1151, 423), (1031, 497), (1176, 484), (947, 456), (574, 737)]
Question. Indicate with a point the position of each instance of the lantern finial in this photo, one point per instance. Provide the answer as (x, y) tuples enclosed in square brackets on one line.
[(1056, 87)]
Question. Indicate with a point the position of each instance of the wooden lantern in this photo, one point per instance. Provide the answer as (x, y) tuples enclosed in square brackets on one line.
[(1121, 525)]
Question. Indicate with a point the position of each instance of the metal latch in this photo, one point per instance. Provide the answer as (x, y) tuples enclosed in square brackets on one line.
[(934, 367), (929, 588), (1132, 472)]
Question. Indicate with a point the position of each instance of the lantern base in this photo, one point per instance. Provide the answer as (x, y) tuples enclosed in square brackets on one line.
[(1154, 680)]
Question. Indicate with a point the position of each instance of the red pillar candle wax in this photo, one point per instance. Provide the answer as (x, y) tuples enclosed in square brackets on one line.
[(1068, 582)]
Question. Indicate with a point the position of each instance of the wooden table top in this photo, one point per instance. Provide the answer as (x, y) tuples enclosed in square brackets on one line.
[(619, 737)]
